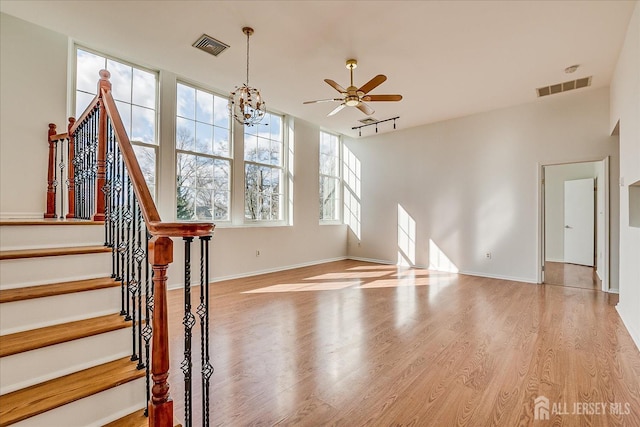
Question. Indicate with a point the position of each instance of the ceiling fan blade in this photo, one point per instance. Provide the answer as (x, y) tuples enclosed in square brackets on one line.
[(335, 85), (365, 108), (324, 100), (373, 83), (336, 110), (382, 98)]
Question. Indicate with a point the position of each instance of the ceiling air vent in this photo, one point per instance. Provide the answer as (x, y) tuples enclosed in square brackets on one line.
[(563, 87), (210, 45), (368, 121)]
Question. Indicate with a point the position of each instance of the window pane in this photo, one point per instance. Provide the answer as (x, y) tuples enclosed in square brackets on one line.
[(204, 204), (185, 134), (120, 80), (250, 147), (143, 124), (221, 174), (221, 112), (204, 107), (204, 138), (221, 146), (276, 153), (221, 205), (125, 114), (186, 203), (275, 125), (186, 101), (87, 67), (263, 150), (147, 159), (204, 172), (144, 88), (186, 170), (82, 102)]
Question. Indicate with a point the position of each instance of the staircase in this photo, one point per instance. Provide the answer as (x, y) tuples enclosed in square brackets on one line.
[(64, 347)]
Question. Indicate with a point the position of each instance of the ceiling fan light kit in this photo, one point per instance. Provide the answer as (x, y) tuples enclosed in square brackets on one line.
[(355, 97), (245, 103)]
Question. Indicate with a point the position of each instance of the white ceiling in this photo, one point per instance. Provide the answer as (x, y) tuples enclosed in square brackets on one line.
[(447, 58)]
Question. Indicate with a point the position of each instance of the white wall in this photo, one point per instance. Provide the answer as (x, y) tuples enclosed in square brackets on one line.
[(471, 184), (625, 110), (34, 93), (555, 176), (33, 83)]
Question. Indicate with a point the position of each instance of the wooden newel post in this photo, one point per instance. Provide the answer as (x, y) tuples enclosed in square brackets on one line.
[(161, 405), (71, 169), (103, 84), (51, 185)]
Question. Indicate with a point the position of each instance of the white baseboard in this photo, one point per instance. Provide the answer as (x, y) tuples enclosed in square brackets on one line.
[(613, 291), (555, 260), (500, 277)]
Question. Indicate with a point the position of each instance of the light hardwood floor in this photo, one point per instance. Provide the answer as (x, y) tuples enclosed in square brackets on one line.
[(577, 276), (352, 343)]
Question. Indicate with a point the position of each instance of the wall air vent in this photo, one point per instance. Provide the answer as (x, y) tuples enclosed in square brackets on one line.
[(563, 87), (368, 120), (210, 45)]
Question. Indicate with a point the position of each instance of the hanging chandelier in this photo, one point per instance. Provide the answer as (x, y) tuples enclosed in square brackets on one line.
[(246, 103)]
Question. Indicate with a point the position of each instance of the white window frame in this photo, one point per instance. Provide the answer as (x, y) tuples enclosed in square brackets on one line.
[(338, 177), (230, 159), (284, 178), (155, 146)]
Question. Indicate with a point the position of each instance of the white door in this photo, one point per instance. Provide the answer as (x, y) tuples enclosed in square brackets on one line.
[(578, 221)]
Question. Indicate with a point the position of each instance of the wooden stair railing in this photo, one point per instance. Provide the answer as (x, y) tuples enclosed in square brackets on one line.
[(93, 179)]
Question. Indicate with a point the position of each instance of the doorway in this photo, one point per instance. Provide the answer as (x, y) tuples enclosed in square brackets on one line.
[(575, 224)]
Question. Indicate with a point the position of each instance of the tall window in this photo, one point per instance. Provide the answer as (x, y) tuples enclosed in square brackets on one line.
[(264, 170), (329, 177), (134, 91), (203, 146)]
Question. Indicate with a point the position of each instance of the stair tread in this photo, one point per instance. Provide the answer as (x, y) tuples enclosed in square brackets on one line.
[(52, 289), (50, 335), (47, 221), (135, 419), (28, 402), (45, 252)]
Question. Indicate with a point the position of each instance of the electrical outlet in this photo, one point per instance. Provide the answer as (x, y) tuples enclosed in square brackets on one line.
[(257, 252), (488, 255)]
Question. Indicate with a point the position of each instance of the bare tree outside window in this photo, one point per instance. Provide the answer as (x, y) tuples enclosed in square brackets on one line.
[(203, 161), (329, 177), (264, 169)]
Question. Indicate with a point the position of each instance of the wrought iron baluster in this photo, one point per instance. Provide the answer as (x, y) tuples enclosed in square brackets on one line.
[(188, 321), (203, 312), (126, 244), (139, 256), (133, 284)]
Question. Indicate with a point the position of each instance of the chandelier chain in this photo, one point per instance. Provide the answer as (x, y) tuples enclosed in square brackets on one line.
[(248, 35)]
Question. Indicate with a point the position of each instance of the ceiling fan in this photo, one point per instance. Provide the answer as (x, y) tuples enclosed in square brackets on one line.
[(353, 96)]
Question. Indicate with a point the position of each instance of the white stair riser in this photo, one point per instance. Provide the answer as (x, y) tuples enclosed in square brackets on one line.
[(40, 312), (47, 236), (15, 273), (94, 410), (36, 366)]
